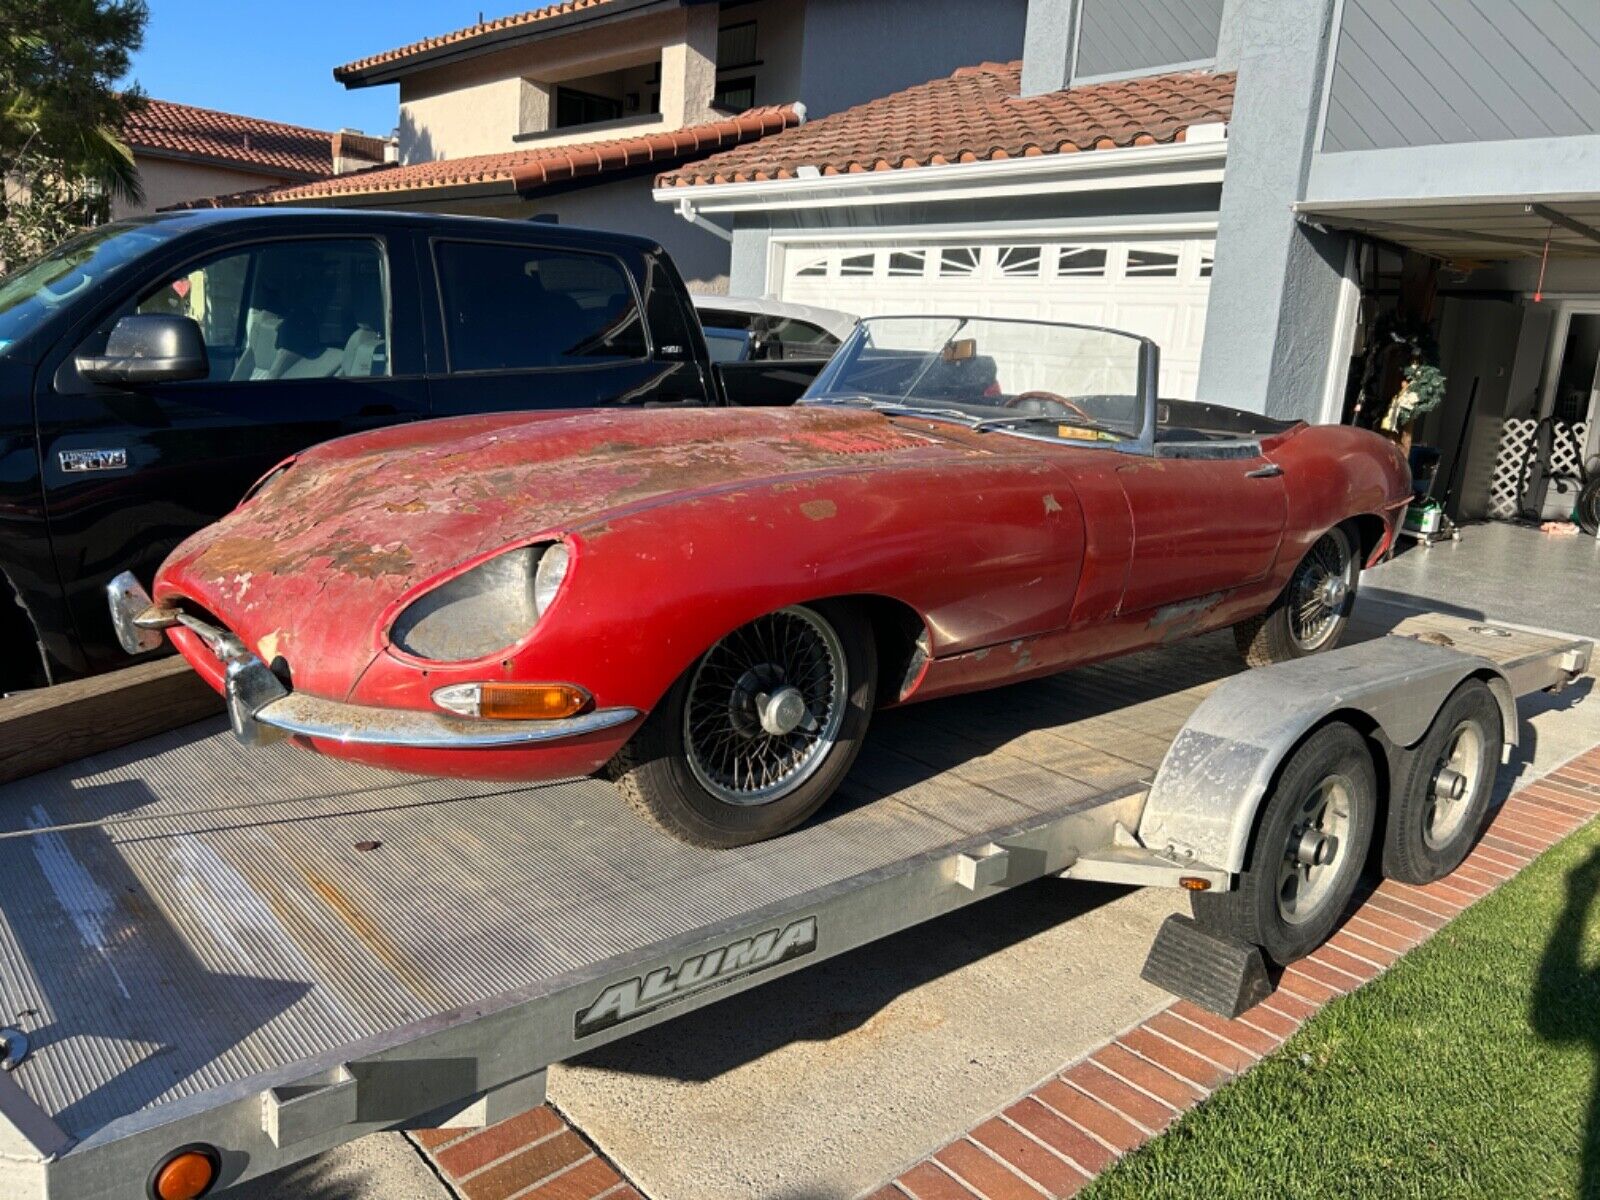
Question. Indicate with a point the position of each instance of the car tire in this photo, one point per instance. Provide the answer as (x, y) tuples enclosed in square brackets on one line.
[(1326, 577), (1327, 789), (1588, 510), (690, 769), (21, 660), (1442, 787)]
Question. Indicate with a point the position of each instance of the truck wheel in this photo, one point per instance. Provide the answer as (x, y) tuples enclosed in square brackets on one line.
[(21, 661), (1442, 787), (1310, 843), (1310, 614), (758, 733)]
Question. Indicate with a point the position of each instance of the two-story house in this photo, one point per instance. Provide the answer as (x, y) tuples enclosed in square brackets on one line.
[(1263, 188), (567, 112)]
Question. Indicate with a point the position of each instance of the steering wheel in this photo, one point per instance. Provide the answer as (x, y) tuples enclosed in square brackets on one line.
[(1042, 397)]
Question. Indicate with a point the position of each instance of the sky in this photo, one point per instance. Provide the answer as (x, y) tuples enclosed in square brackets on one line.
[(275, 59)]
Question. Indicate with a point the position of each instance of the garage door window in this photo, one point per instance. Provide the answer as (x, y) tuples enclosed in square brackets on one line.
[(1152, 264), (1020, 262), (856, 265), (1086, 261), (519, 308), (958, 261), (908, 264)]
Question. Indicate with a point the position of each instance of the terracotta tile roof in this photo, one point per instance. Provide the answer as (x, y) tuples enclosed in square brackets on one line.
[(248, 142), (975, 115), (527, 170), (469, 33)]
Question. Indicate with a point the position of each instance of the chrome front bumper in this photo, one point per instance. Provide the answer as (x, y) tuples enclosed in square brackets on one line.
[(262, 709)]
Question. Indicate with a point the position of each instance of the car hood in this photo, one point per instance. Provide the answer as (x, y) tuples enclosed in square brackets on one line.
[(311, 565)]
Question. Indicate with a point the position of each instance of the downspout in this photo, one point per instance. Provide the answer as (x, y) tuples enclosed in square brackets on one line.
[(687, 212), (686, 206)]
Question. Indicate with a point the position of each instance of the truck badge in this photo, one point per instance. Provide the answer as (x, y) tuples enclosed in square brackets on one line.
[(76, 461)]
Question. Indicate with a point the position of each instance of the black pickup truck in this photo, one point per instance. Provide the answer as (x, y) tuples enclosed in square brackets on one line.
[(152, 369)]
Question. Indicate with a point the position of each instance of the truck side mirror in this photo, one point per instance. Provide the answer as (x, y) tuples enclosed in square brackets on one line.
[(149, 348)]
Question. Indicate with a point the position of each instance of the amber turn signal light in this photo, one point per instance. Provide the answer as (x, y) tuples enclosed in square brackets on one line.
[(186, 1175), (1194, 883), (531, 701), (513, 701)]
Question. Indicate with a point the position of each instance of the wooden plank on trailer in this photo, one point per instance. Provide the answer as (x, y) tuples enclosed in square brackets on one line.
[(55, 725)]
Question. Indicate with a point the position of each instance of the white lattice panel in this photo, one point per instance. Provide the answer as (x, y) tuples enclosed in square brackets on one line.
[(1512, 465)]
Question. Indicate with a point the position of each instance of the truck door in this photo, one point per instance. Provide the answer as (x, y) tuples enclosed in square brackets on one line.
[(1200, 526), (529, 326), (307, 338)]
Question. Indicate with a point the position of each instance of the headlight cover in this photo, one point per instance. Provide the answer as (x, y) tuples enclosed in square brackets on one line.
[(486, 609)]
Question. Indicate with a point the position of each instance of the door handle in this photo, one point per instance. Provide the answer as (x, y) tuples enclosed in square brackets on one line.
[(1270, 471)]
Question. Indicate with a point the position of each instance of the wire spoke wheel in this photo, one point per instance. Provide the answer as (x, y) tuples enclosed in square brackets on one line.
[(765, 706), (1320, 590), (1313, 853)]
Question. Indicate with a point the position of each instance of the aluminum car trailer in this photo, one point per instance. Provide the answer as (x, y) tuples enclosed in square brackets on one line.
[(257, 955)]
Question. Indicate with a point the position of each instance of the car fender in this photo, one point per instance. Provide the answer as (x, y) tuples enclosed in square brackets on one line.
[(1203, 805)]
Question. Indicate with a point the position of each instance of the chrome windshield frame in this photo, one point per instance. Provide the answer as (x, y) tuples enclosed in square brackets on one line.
[(1149, 378)]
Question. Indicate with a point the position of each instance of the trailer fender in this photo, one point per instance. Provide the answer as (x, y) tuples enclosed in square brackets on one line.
[(1202, 806)]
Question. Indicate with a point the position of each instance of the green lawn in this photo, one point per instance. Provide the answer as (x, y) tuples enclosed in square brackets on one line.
[(1469, 1070)]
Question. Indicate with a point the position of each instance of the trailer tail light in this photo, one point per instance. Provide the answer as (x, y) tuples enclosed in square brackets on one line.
[(185, 1174), (1194, 883)]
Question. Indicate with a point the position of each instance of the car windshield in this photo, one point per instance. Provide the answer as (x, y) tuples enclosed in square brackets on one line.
[(1073, 382), (72, 269)]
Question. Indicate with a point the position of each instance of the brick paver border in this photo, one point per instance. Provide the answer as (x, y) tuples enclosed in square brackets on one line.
[(534, 1156), (1052, 1141)]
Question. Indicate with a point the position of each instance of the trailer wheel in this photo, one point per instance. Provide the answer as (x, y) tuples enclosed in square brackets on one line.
[(1310, 614), (1311, 841), (1442, 787), (758, 733)]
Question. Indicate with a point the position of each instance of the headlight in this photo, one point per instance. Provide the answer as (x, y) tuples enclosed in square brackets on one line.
[(547, 579), (483, 610)]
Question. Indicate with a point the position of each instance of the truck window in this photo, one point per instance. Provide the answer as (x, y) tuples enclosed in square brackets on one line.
[(521, 307), (317, 309)]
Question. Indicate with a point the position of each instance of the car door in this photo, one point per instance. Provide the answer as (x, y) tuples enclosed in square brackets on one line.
[(307, 338), (527, 325), (1201, 525)]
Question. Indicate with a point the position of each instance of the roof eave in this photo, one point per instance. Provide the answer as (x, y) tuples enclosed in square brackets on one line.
[(393, 70), (1172, 164)]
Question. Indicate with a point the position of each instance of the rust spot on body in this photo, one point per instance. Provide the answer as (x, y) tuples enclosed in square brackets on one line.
[(1051, 504), (820, 510)]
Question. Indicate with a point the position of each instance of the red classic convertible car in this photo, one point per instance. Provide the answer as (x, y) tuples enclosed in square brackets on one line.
[(710, 603)]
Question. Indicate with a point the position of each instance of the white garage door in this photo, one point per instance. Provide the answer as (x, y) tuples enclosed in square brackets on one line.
[(1155, 287)]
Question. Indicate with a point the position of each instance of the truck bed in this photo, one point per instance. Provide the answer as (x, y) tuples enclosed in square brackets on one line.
[(186, 922)]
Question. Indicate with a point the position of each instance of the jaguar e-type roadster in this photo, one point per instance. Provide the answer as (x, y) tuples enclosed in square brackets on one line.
[(709, 604)]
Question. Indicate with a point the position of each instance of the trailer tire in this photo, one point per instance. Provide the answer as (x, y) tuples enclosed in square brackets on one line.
[(1332, 565), (1326, 791), (1429, 833), (673, 775)]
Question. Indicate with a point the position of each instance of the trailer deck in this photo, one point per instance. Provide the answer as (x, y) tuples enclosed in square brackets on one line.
[(274, 952)]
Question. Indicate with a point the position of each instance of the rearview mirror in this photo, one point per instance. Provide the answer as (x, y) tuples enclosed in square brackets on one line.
[(149, 348)]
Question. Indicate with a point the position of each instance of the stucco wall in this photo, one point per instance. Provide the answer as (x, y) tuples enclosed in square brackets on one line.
[(477, 106), (621, 207), (168, 182), (1275, 289), (855, 51)]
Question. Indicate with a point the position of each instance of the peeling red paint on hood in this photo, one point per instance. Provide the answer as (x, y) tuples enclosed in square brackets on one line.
[(308, 566)]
